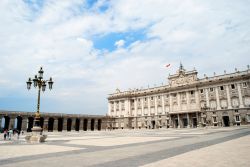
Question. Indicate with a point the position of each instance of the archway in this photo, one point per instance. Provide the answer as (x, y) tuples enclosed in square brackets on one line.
[(92, 127), (19, 123), (226, 121), (69, 122), (30, 124), (50, 124), (99, 124), (85, 124), (60, 124), (153, 124), (77, 125), (5, 122), (41, 122)]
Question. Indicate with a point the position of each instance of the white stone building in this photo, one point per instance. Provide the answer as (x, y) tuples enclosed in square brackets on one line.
[(187, 101)]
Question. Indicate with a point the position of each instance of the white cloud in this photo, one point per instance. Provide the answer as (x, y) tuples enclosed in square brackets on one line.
[(59, 36), (119, 43)]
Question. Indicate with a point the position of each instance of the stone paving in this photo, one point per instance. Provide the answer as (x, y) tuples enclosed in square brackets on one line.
[(159, 147)]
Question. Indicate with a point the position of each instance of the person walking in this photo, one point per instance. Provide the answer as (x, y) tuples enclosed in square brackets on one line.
[(5, 134)]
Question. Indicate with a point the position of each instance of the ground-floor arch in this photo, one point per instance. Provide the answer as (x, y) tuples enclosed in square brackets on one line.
[(50, 124), (85, 124), (77, 124), (92, 126), (69, 123), (60, 124), (30, 124), (18, 122), (99, 126)]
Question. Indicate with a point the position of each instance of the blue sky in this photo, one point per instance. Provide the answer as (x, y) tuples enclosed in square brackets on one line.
[(92, 47)]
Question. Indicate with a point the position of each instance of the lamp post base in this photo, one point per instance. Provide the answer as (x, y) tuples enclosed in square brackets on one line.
[(36, 136)]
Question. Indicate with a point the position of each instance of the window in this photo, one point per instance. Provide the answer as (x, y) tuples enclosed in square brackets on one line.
[(152, 98), (232, 86), (221, 87), (237, 118), (201, 90), (211, 89), (215, 119), (145, 99), (191, 92), (236, 111), (159, 97), (138, 100), (244, 84)]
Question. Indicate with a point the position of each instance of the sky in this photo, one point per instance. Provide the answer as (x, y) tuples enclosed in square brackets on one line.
[(92, 47)]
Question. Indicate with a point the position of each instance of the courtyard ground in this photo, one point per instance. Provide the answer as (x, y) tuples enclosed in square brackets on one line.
[(160, 147)]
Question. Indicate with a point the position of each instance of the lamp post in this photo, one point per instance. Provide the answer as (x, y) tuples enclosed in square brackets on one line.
[(41, 84)]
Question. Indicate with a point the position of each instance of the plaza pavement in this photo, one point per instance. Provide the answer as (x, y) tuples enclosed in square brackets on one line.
[(160, 147)]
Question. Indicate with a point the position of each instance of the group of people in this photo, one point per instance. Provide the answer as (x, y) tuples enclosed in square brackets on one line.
[(9, 133)]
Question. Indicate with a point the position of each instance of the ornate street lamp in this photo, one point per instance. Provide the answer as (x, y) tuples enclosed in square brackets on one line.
[(41, 84)]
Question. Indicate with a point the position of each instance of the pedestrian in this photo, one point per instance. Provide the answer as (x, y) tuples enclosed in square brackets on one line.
[(18, 134), (22, 132), (10, 133), (5, 134)]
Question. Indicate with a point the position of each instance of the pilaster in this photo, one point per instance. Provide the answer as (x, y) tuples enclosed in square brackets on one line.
[(240, 96), (217, 98), (207, 97), (228, 98)]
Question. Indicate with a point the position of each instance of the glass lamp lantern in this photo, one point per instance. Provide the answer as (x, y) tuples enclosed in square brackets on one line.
[(29, 82)]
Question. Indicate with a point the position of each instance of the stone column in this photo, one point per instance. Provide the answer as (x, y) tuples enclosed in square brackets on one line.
[(156, 106), (178, 101), (24, 123), (197, 99), (188, 100), (114, 108), (73, 124), (228, 98), (126, 108), (55, 127), (198, 120), (188, 121), (179, 122), (135, 107), (12, 123), (207, 97), (170, 103), (217, 98), (65, 120), (129, 108), (163, 105), (81, 124), (240, 96), (142, 106), (170, 122), (45, 124), (149, 106)]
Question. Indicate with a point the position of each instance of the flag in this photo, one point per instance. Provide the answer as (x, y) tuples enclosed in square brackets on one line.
[(168, 65)]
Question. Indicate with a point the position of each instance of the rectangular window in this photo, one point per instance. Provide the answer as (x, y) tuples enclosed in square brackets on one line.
[(232, 86), (235, 110), (237, 118), (221, 88), (201, 90), (191, 92), (159, 97), (145, 99), (215, 119), (152, 98), (244, 84), (211, 89)]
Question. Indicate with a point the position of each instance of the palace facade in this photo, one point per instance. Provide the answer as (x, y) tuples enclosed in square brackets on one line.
[(187, 101)]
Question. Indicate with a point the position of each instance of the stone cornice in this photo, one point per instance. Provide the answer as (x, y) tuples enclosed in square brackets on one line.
[(207, 81)]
